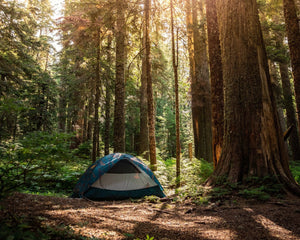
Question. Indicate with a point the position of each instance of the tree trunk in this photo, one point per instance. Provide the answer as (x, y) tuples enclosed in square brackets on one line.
[(175, 70), (119, 111), (290, 110), (293, 34), (62, 113), (190, 37), (216, 78), (107, 98), (90, 114), (95, 150), (144, 136), (277, 92), (253, 142), (151, 114), (201, 98)]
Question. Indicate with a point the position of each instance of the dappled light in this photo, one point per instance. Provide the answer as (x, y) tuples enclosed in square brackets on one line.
[(149, 120), (130, 220)]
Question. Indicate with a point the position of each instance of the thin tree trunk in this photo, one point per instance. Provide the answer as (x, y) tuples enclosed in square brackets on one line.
[(151, 113), (144, 135), (290, 110), (119, 111), (293, 34), (96, 150), (190, 37), (107, 98), (90, 114), (62, 113), (175, 70), (216, 77)]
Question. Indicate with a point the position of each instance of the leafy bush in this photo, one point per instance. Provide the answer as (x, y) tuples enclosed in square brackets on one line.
[(39, 162), (295, 169)]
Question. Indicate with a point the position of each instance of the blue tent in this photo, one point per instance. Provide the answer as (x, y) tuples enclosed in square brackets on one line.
[(118, 176)]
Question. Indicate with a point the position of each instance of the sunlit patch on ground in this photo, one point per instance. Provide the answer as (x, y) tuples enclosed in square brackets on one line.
[(130, 220)]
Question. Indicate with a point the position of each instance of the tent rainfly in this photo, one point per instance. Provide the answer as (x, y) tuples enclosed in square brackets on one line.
[(117, 176)]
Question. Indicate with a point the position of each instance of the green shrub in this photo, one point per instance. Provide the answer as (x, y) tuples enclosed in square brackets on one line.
[(295, 169), (39, 162)]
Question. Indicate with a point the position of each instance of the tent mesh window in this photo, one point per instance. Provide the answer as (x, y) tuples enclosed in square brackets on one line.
[(124, 166)]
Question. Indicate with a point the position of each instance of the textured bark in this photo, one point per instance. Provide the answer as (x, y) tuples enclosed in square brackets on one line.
[(151, 113), (119, 111), (201, 98), (144, 136), (216, 78), (293, 34), (253, 142), (290, 110), (175, 70), (277, 92)]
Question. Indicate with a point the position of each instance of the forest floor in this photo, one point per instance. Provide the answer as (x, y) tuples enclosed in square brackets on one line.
[(235, 219)]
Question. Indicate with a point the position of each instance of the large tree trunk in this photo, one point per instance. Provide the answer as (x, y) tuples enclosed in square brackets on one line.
[(177, 122), (293, 34), (253, 141), (119, 111), (290, 110), (151, 113), (144, 136), (216, 78), (201, 98)]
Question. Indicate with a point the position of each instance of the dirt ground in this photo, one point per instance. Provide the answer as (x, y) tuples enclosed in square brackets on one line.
[(239, 219)]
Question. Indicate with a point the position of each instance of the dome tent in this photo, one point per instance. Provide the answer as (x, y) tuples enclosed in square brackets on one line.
[(117, 176)]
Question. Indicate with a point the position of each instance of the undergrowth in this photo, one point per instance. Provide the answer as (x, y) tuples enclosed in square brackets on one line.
[(256, 188)]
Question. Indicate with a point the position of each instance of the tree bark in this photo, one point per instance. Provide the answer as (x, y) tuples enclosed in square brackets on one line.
[(175, 70), (290, 110), (190, 38), (216, 78), (277, 92), (96, 150), (119, 111), (151, 113), (253, 142), (107, 98), (201, 98), (293, 34), (144, 135)]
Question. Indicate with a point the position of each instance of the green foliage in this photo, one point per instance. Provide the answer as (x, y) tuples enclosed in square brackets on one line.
[(39, 162), (193, 174), (259, 193), (251, 188), (84, 150), (27, 90), (295, 169), (147, 238)]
